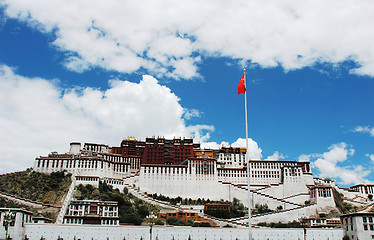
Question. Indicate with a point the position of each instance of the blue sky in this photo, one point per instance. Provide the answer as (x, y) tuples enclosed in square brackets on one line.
[(100, 73)]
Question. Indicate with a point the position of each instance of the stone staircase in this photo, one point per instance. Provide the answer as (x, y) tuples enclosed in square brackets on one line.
[(254, 191), (296, 195), (69, 195), (271, 215)]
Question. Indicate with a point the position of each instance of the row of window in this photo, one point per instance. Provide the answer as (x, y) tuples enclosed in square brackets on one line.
[(109, 222), (365, 219), (82, 164), (103, 222), (171, 170), (74, 221), (322, 192), (104, 214), (108, 208), (366, 227)]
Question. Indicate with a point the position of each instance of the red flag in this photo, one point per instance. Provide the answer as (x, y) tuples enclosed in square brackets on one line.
[(241, 86)]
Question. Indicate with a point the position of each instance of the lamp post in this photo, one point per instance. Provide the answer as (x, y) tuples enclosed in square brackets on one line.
[(7, 217)]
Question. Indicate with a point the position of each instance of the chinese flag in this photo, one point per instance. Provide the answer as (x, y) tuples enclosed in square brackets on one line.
[(241, 86)]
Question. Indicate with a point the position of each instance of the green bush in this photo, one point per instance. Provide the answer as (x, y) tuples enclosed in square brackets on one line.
[(293, 224), (201, 224), (176, 221), (159, 222), (341, 205), (218, 213), (261, 208)]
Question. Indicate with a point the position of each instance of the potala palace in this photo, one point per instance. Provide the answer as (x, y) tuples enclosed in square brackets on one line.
[(180, 168)]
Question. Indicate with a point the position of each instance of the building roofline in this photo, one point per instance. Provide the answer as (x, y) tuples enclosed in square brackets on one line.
[(16, 210), (362, 184), (162, 165)]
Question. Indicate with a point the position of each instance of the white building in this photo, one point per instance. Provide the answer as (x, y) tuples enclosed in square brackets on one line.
[(364, 188), (92, 160), (92, 212), (323, 196), (359, 225)]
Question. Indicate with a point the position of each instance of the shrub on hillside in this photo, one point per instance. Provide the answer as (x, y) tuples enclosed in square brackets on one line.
[(47, 188), (176, 221)]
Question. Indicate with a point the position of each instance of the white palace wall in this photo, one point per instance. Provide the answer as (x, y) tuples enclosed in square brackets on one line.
[(274, 190), (199, 179), (174, 181), (201, 186), (96, 232)]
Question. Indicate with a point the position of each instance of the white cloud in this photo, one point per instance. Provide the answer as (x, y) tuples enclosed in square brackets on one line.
[(371, 156), (364, 129), (255, 153), (37, 117), (328, 165), (201, 133), (165, 36), (76, 64), (191, 113), (276, 156), (213, 145), (304, 158)]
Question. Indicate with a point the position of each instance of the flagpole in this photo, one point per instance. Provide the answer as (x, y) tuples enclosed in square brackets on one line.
[(247, 160)]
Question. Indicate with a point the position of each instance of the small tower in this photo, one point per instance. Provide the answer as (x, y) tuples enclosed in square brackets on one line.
[(75, 148)]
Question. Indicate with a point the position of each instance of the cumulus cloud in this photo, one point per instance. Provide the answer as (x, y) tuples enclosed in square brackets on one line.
[(328, 165), (255, 153), (165, 37), (276, 156), (37, 116), (364, 129)]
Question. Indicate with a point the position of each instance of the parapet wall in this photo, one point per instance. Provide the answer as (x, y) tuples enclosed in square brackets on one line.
[(53, 231)]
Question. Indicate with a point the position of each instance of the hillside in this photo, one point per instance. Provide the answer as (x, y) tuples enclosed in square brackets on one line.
[(45, 188), (51, 189)]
